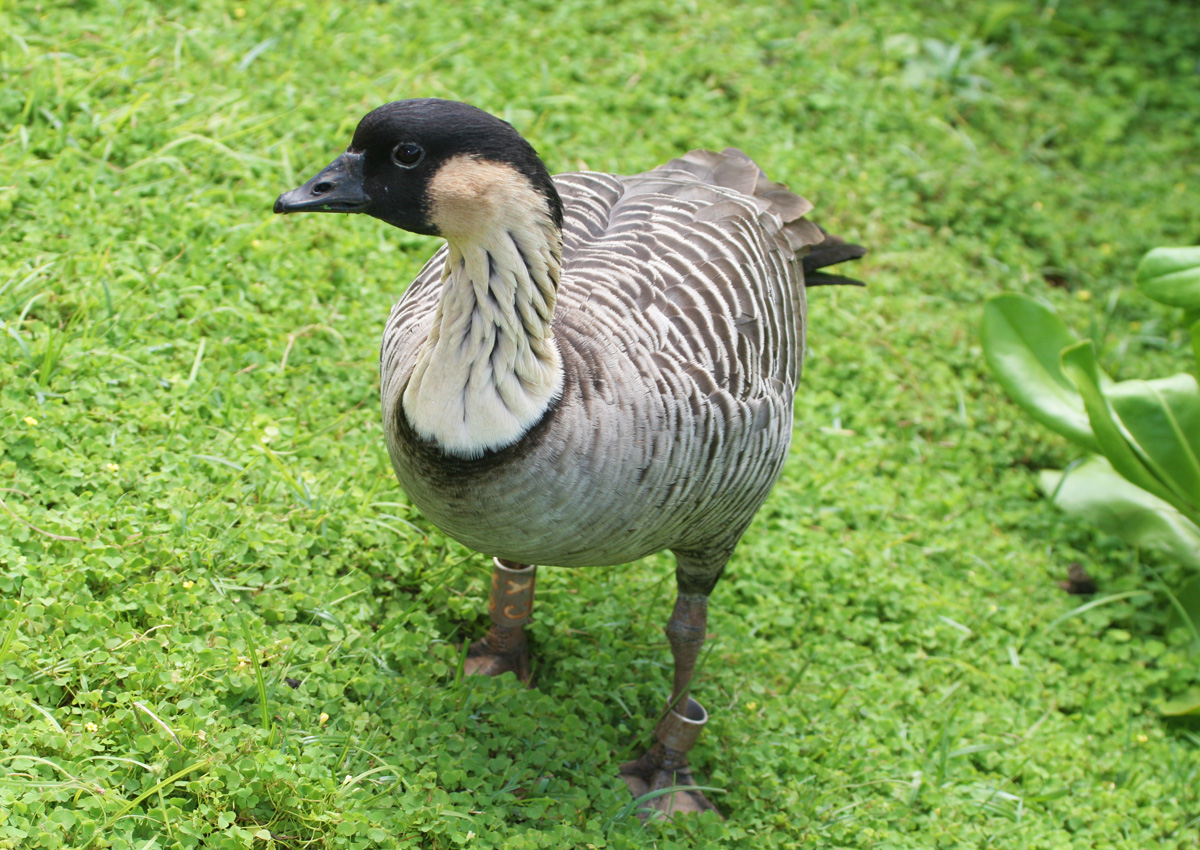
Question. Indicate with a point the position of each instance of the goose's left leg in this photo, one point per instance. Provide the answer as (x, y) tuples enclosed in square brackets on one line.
[(665, 764), (510, 603)]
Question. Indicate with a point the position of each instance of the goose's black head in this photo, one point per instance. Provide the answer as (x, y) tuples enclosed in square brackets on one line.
[(430, 166)]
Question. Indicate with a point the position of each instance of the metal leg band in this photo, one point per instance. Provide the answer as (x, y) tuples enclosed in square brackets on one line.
[(679, 732), (511, 600)]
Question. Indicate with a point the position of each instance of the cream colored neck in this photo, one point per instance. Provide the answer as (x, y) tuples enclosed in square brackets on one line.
[(490, 368)]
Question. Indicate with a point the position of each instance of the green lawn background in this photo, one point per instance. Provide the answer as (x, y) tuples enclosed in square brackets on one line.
[(221, 623)]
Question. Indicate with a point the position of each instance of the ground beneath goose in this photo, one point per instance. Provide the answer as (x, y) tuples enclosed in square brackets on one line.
[(216, 607)]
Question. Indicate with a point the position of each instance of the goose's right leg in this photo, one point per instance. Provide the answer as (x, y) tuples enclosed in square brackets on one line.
[(665, 764), (510, 603)]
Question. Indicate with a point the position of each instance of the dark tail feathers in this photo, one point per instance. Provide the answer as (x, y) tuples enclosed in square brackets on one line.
[(831, 251)]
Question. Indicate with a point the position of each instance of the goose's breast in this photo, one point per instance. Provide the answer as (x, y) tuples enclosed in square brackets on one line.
[(609, 475)]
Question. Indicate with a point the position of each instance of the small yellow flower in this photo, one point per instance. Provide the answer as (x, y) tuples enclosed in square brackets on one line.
[(113, 467), (324, 718), (243, 662), (91, 727), (202, 735), (751, 706), (188, 584), (30, 421), (1084, 295), (239, 12), (1142, 739), (1038, 205)]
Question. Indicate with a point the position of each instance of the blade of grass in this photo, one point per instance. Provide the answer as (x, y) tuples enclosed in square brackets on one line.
[(259, 681), (170, 780), (10, 634)]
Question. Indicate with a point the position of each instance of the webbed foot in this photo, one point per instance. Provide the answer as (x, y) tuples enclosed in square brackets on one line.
[(665, 766), (500, 651)]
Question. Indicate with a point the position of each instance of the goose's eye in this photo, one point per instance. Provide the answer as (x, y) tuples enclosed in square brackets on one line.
[(407, 154)]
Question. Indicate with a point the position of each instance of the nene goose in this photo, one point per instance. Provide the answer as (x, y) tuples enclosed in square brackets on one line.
[(591, 369)]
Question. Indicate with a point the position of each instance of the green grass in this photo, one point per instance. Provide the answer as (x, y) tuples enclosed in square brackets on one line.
[(222, 624)]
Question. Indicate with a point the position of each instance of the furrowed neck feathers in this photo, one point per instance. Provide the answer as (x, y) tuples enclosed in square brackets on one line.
[(490, 368)]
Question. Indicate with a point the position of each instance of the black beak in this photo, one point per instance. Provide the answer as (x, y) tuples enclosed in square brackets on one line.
[(338, 188)]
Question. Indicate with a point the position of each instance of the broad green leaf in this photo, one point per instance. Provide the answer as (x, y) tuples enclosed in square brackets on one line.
[(1188, 703), (1022, 341), (1093, 490), (1172, 276), (1161, 419), (1079, 362), (1187, 604)]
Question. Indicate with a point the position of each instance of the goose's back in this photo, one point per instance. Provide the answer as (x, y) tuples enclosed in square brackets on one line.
[(680, 320)]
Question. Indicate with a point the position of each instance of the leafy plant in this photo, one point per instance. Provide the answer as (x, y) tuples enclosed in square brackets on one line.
[(952, 67), (1142, 482)]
